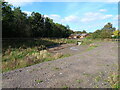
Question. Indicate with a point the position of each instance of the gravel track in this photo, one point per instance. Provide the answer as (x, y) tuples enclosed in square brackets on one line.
[(77, 71)]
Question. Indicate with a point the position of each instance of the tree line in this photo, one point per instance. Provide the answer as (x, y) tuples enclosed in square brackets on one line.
[(106, 32), (17, 24)]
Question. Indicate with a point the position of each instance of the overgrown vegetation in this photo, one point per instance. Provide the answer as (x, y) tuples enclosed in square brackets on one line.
[(113, 80), (23, 53), (108, 31)]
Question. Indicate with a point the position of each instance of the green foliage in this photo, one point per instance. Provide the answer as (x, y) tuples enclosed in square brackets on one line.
[(87, 41), (105, 32), (79, 81), (116, 34), (18, 24), (38, 81), (97, 78), (80, 32), (113, 80), (65, 87), (20, 53)]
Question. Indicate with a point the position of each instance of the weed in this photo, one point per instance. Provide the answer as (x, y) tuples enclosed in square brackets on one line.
[(33, 70), (38, 81), (113, 80), (79, 87), (79, 81), (86, 74), (96, 86), (65, 86), (56, 68), (97, 79), (18, 58)]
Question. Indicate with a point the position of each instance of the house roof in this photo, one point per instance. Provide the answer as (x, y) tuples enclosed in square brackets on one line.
[(83, 34)]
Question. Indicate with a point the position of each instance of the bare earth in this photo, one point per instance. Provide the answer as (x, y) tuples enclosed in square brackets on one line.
[(83, 69)]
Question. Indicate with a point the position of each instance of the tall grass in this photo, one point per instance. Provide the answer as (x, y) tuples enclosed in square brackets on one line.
[(90, 41), (23, 53)]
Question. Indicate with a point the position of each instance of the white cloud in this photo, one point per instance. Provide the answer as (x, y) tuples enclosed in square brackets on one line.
[(55, 17), (87, 19), (71, 18), (28, 12), (102, 10), (67, 19), (106, 16), (63, 0), (22, 2), (92, 16), (116, 17), (18, 3)]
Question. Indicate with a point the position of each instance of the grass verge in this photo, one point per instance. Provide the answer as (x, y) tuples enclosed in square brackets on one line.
[(23, 53)]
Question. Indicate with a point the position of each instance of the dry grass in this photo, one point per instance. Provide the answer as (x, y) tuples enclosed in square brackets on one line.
[(27, 53)]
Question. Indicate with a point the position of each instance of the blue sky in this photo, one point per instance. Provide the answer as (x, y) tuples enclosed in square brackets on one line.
[(88, 16)]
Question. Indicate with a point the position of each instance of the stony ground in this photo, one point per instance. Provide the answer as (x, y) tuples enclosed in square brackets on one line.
[(85, 68)]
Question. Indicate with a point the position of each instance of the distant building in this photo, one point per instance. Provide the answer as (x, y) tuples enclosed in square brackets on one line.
[(84, 35), (74, 36)]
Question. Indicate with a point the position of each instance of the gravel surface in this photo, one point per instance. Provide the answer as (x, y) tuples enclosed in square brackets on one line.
[(80, 70)]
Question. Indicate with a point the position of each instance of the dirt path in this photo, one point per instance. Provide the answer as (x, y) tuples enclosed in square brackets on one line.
[(87, 70)]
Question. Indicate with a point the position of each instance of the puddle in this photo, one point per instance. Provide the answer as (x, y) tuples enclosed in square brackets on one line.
[(73, 48)]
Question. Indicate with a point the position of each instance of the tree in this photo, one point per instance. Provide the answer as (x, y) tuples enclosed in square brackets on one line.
[(18, 24), (105, 32), (84, 31), (7, 18), (116, 33), (37, 24), (67, 26)]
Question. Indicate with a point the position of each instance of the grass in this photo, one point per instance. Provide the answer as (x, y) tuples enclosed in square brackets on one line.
[(97, 78), (23, 53), (56, 68), (79, 81), (87, 41), (65, 87), (96, 86), (86, 74), (27, 58), (33, 70), (91, 47), (38, 81), (113, 80), (90, 41)]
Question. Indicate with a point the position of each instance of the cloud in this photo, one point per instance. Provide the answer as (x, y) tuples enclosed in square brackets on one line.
[(71, 18), (67, 19), (22, 2), (18, 3), (102, 10), (92, 16), (28, 12), (55, 17), (116, 17), (106, 16)]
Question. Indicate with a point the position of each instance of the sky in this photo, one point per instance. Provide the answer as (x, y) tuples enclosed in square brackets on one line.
[(88, 16)]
